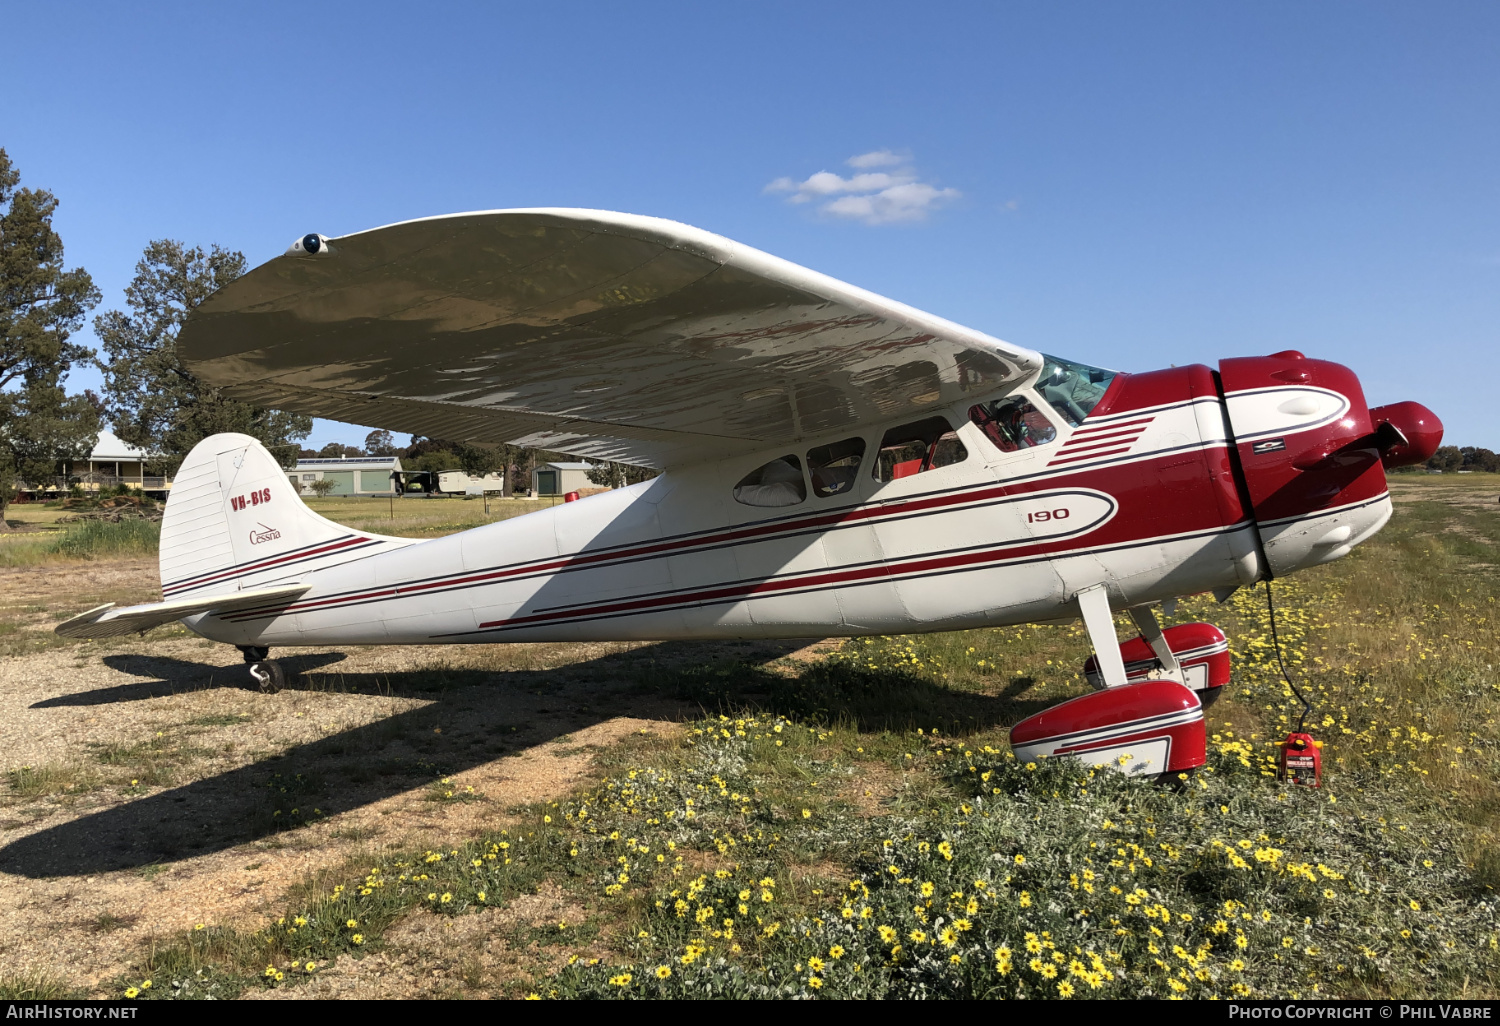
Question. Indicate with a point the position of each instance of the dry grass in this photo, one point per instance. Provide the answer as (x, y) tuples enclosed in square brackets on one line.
[(419, 517)]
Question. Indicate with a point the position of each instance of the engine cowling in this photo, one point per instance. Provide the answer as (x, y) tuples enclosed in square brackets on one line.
[(1313, 456)]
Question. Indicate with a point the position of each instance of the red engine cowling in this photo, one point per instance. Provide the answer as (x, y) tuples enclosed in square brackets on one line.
[(1201, 650), (1152, 727), (1312, 454)]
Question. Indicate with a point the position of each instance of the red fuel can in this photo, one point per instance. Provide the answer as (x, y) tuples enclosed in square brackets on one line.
[(1301, 762)]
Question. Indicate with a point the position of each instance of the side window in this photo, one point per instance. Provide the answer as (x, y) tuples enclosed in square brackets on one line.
[(914, 448), (778, 483), (1013, 423), (834, 468)]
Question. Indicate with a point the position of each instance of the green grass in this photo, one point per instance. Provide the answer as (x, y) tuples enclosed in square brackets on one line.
[(86, 540), (35, 987), (27, 783)]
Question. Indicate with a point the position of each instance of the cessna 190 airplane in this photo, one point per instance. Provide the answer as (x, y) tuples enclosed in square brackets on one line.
[(834, 464)]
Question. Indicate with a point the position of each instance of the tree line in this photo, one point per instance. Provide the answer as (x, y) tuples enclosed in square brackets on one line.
[(1452, 458), (149, 397)]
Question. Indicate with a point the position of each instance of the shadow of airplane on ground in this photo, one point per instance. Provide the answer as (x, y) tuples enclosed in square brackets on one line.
[(474, 717), (167, 676)]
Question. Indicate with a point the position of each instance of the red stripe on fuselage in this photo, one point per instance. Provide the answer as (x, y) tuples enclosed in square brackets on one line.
[(255, 568)]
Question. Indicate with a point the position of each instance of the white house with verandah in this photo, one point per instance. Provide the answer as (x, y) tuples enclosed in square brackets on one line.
[(110, 464)]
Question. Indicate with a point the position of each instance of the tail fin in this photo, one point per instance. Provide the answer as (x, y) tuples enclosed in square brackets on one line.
[(234, 522)]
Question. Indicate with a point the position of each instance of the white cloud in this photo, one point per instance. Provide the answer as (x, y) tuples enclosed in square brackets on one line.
[(874, 197), (878, 158)]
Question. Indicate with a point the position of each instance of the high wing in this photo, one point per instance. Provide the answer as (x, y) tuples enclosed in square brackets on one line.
[(608, 335), (109, 621)]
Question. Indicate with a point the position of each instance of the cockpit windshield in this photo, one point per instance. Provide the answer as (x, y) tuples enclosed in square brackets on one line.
[(1072, 389)]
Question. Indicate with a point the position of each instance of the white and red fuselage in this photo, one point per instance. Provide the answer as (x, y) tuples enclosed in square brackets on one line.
[(1176, 482)]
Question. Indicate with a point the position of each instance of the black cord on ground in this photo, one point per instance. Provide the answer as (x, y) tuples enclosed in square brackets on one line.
[(1276, 640)]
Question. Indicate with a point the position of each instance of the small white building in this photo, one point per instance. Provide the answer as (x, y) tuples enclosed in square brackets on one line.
[(358, 475), (456, 482), (561, 478)]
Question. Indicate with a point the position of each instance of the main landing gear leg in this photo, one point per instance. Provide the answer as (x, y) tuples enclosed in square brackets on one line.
[(1093, 603), (1145, 622), (266, 672)]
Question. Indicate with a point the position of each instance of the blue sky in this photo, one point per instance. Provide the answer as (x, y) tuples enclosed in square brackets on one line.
[(1132, 185)]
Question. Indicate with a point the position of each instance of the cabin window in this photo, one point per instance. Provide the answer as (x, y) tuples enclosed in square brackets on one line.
[(918, 447), (1013, 423), (834, 468), (778, 483), (309, 477), (1072, 389)]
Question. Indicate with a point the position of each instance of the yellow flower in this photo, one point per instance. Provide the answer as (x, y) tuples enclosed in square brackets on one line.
[(835, 952), (311, 966), (887, 934), (358, 938), (814, 982), (1020, 860), (351, 924), (807, 814), (1414, 906), (1065, 989), (663, 971)]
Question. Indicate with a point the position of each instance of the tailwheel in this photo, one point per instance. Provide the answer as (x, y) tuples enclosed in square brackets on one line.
[(266, 672), (269, 675)]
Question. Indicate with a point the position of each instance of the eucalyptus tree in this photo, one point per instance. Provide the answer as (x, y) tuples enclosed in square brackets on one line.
[(42, 303)]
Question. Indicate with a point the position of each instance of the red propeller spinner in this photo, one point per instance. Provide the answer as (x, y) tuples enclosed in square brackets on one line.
[(1407, 433)]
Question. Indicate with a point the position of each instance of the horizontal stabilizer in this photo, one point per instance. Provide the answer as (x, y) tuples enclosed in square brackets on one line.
[(109, 622)]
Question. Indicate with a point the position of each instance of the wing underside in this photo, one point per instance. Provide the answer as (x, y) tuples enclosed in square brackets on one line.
[(607, 335)]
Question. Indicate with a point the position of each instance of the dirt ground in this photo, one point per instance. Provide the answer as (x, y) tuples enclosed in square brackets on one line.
[(150, 788)]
